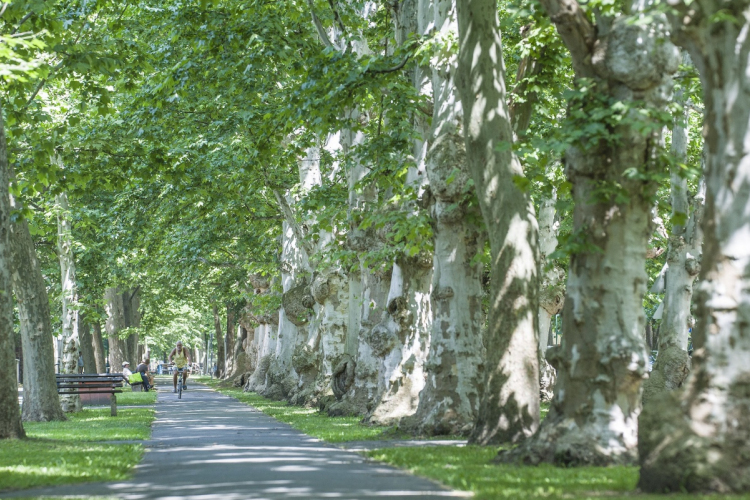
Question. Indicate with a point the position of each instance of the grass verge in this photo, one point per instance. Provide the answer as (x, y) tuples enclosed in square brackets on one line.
[(317, 424), (130, 398), (73, 451), (470, 468), (308, 420)]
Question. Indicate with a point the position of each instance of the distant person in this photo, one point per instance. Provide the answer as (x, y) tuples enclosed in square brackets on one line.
[(181, 358), (80, 362), (143, 370), (126, 373)]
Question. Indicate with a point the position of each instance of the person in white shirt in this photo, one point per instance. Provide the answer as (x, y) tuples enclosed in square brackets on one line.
[(126, 373)]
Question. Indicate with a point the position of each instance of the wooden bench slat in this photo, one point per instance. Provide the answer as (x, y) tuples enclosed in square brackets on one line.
[(87, 386), (91, 392)]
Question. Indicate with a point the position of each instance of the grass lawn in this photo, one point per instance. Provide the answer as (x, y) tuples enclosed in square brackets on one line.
[(470, 468), (73, 451), (317, 424), (130, 398), (308, 420)]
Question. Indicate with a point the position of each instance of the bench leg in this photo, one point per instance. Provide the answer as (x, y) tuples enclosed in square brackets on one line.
[(113, 405)]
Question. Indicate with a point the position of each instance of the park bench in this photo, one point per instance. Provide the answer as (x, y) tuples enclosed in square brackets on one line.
[(90, 384)]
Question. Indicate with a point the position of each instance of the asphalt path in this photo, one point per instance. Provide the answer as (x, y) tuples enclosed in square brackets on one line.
[(207, 446)]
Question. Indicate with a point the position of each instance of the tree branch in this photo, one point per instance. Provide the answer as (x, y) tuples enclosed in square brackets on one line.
[(319, 26), (23, 20), (289, 216), (576, 32), (390, 70), (337, 17)]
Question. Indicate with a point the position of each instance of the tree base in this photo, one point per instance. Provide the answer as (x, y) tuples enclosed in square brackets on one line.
[(561, 441), (683, 454)]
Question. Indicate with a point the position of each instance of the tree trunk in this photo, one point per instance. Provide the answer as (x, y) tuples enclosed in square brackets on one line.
[(698, 439), (229, 343), (551, 294), (683, 264), (98, 344), (450, 400), (10, 419), (219, 342), (509, 408), (87, 346), (602, 359), (41, 402), (70, 320), (131, 302), (266, 335), (114, 325)]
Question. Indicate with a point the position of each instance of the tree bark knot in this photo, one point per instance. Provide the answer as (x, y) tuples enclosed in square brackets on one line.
[(343, 376)]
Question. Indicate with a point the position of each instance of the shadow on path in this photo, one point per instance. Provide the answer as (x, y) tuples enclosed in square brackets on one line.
[(209, 446)]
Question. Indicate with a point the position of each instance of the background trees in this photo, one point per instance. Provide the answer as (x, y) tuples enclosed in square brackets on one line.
[(314, 182)]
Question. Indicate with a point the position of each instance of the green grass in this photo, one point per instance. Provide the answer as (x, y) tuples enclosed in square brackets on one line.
[(130, 398), (308, 420), (470, 468), (73, 451), (96, 425)]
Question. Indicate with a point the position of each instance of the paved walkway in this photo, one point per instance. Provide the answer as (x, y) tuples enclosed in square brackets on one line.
[(208, 446)]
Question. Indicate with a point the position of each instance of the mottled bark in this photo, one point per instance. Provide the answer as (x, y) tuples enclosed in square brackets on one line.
[(229, 343), (551, 293), (41, 402), (70, 319), (602, 360), (10, 419), (218, 338), (509, 408), (87, 345), (683, 264), (265, 334), (114, 325), (131, 303), (401, 339), (97, 342), (698, 439), (450, 400)]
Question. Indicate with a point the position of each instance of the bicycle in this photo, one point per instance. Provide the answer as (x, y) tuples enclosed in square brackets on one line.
[(180, 372)]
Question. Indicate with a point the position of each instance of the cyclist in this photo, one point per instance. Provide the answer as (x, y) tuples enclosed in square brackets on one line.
[(181, 360)]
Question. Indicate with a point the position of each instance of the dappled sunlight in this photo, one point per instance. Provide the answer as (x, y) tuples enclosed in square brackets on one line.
[(214, 447)]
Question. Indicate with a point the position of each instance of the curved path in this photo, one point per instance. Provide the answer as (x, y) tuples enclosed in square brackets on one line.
[(209, 446)]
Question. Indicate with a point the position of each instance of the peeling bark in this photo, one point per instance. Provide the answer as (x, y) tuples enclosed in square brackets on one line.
[(509, 408), (114, 325), (70, 317), (602, 360), (551, 294), (41, 402), (96, 339), (87, 346), (218, 338), (10, 419), (229, 344), (450, 400), (698, 439), (672, 364)]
